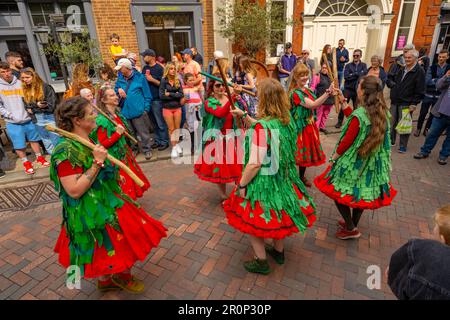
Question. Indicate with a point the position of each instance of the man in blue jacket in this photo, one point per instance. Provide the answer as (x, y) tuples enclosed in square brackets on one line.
[(342, 57), (135, 101)]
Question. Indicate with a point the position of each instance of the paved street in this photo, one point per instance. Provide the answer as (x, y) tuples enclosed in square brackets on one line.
[(202, 257)]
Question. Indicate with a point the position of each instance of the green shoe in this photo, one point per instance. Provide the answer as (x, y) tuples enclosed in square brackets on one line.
[(276, 255), (257, 266), (107, 285)]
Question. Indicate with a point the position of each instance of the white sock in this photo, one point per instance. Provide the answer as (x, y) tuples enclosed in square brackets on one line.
[(24, 159), (38, 154)]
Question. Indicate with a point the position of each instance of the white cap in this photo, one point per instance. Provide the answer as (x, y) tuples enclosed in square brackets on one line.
[(123, 63)]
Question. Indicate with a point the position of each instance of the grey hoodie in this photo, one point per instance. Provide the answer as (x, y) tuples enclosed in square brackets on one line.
[(11, 102)]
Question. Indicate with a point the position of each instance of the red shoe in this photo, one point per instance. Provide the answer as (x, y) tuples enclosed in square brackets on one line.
[(341, 223), (42, 161), (28, 167), (306, 182), (344, 234)]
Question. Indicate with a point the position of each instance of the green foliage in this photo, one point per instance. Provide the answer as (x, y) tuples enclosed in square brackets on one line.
[(82, 49), (251, 25)]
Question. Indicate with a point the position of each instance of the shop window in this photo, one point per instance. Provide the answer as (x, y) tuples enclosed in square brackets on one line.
[(73, 14), (278, 37), (9, 15), (406, 25), (40, 13)]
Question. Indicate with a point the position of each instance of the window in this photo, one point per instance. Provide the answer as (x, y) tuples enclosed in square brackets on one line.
[(277, 36), (73, 14), (40, 13), (408, 16), (9, 15), (342, 8), (167, 21)]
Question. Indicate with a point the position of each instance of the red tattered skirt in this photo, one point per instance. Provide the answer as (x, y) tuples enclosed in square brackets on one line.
[(309, 150), (140, 234), (242, 217), (325, 186), (220, 161), (129, 187)]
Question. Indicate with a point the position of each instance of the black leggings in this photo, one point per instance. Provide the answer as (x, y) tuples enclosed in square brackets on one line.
[(351, 220), (301, 172)]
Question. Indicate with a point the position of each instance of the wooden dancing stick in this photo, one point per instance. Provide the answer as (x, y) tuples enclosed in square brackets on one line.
[(331, 75), (218, 55), (336, 80), (91, 146), (228, 83), (129, 136)]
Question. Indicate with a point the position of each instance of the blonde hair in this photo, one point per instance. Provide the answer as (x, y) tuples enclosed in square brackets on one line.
[(442, 220), (80, 79), (247, 66), (33, 92), (174, 78), (300, 70), (273, 101)]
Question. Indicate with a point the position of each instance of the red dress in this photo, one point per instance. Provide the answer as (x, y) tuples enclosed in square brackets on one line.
[(129, 187), (309, 150), (139, 234), (221, 160)]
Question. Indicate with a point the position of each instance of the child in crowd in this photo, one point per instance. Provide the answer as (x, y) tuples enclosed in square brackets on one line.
[(194, 98), (117, 52)]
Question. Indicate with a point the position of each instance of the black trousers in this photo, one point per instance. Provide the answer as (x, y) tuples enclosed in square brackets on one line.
[(349, 96)]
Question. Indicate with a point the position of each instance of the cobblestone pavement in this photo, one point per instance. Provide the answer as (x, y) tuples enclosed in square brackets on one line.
[(202, 257)]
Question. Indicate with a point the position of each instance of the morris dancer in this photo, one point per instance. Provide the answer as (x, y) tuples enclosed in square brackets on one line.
[(221, 158), (103, 231), (270, 200), (359, 175), (309, 151), (112, 138)]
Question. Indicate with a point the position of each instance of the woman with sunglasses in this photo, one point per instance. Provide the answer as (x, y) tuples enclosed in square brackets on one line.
[(221, 158), (309, 151), (112, 138), (270, 201), (104, 233), (40, 102)]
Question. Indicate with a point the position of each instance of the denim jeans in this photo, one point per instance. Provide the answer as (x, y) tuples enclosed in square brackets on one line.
[(49, 139), (183, 116), (438, 127), (340, 78), (161, 134), (285, 83)]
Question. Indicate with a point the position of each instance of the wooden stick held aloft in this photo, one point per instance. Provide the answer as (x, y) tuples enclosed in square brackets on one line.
[(129, 136), (91, 146), (218, 55), (336, 80), (229, 83)]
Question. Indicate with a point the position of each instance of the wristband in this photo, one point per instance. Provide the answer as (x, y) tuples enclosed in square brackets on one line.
[(100, 164), (332, 160), (241, 187)]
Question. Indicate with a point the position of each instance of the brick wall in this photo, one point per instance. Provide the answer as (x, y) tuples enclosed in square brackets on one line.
[(297, 35), (208, 31), (114, 17)]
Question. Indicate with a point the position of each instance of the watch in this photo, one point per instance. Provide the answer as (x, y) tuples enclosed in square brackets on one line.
[(241, 187)]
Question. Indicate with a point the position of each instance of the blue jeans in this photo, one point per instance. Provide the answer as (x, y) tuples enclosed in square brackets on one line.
[(161, 133), (340, 78), (437, 128), (49, 139), (183, 116)]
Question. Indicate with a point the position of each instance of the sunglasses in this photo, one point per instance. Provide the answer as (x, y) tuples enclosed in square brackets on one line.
[(218, 85), (356, 56), (305, 53)]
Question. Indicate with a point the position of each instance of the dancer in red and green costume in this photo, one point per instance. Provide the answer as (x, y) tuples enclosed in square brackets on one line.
[(309, 151), (359, 175), (103, 231), (270, 201), (112, 138), (221, 158)]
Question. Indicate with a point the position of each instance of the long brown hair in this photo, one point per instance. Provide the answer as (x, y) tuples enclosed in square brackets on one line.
[(247, 66), (80, 79), (100, 95), (174, 78), (236, 59), (376, 108), (300, 70), (273, 101), (324, 51), (33, 92)]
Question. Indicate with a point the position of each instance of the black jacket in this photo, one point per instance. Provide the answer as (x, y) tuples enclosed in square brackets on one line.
[(411, 90), (352, 73), (322, 86), (419, 270), (49, 97), (172, 101)]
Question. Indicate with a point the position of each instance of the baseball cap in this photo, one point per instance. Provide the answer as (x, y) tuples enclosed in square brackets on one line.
[(288, 45), (123, 63), (148, 52), (187, 51)]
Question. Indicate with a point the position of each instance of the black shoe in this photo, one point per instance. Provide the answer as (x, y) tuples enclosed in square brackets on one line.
[(2, 173), (155, 146), (324, 131), (442, 162), (148, 155), (338, 125), (420, 155), (276, 255), (161, 148)]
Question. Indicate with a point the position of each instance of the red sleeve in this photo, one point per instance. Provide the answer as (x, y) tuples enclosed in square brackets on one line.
[(347, 111), (65, 169), (259, 136), (297, 100), (350, 136), (102, 135), (220, 111)]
